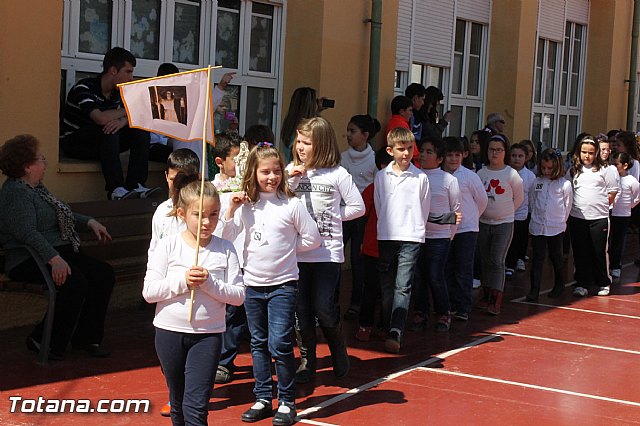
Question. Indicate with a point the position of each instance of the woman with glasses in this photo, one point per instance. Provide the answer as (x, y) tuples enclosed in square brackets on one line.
[(32, 216)]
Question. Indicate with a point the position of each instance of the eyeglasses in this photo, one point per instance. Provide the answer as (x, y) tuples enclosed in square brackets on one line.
[(496, 150)]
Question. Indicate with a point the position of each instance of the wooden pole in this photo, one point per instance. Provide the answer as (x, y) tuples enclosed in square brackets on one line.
[(202, 178)]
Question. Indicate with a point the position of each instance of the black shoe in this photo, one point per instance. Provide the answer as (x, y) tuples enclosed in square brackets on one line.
[(93, 349), (286, 414), (223, 375), (392, 344), (556, 292), (34, 345), (260, 410), (532, 297)]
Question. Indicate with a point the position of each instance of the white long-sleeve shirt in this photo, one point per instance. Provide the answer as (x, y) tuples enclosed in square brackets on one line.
[(238, 241), (474, 199), (445, 198), (361, 165), (528, 178), (163, 226), (550, 202), (165, 284), (627, 198), (330, 197), (275, 229), (504, 189), (591, 189), (402, 204)]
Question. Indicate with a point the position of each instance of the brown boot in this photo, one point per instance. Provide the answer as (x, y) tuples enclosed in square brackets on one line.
[(495, 302), (486, 298)]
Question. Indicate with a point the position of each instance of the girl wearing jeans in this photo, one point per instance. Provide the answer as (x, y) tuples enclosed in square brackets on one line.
[(276, 226), (505, 192)]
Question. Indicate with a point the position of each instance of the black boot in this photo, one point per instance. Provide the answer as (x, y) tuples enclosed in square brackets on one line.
[(338, 348), (307, 344)]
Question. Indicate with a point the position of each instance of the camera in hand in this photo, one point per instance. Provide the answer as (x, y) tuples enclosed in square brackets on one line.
[(328, 103)]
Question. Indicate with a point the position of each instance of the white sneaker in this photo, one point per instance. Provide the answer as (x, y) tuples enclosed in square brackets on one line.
[(520, 265), (121, 193), (476, 283), (580, 292), (615, 273), (508, 272), (604, 291), (146, 192)]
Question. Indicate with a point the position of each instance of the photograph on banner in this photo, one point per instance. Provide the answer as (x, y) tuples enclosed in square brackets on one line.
[(169, 103)]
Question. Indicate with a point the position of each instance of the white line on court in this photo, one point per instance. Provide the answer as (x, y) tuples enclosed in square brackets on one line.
[(367, 386), (589, 311), (527, 385), (313, 422), (567, 342)]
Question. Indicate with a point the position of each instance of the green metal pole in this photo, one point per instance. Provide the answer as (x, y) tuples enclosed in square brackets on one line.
[(374, 57), (633, 67)]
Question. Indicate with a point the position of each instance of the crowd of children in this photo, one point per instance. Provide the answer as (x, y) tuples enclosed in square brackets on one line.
[(415, 222)]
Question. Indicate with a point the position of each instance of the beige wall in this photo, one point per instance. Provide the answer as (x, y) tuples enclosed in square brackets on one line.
[(511, 64), (30, 57), (609, 44), (334, 56)]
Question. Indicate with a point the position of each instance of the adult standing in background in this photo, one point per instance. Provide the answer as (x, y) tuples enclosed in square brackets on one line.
[(303, 104), (495, 124)]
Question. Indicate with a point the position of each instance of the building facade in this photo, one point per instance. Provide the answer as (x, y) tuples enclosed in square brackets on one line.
[(553, 68)]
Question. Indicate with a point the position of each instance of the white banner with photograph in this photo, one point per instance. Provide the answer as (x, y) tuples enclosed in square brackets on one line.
[(172, 105)]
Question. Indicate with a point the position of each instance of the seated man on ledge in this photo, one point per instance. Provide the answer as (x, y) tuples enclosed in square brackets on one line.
[(95, 127)]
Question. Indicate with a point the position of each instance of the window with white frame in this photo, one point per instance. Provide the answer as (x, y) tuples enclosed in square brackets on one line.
[(544, 92), (570, 108), (240, 36), (467, 82), (428, 75), (558, 88)]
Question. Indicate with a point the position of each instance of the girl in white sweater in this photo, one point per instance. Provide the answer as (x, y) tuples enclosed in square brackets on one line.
[(183, 344), (276, 225), (505, 193), (594, 188), (550, 202), (328, 192)]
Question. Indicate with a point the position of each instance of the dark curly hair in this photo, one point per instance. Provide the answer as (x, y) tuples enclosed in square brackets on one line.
[(17, 153)]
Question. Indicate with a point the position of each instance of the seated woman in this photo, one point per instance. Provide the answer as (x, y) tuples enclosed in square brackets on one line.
[(31, 216)]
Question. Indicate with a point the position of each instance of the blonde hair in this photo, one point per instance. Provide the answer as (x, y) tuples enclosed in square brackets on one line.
[(399, 136), (326, 152), (250, 177), (189, 192)]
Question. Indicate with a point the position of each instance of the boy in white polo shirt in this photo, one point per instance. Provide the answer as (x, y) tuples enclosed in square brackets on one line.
[(402, 199)]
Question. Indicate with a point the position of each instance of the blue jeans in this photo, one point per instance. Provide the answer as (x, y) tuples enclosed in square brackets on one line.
[(236, 321), (318, 295), (494, 244), (397, 263), (354, 230), (271, 316), (433, 259), (459, 271), (189, 362)]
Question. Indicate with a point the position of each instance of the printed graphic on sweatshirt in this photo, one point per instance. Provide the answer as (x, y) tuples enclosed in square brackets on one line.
[(318, 197), (493, 188)]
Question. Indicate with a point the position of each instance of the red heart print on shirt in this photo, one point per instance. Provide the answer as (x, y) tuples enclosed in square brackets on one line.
[(495, 183)]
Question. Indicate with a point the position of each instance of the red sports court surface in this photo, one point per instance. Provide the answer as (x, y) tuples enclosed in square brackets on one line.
[(558, 362)]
